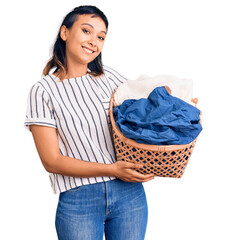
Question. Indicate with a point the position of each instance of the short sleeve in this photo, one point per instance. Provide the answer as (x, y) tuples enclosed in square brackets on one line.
[(39, 108), (114, 76)]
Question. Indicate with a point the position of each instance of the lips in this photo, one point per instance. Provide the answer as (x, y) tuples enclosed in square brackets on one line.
[(88, 50)]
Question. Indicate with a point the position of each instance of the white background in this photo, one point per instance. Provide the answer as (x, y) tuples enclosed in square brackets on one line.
[(183, 38)]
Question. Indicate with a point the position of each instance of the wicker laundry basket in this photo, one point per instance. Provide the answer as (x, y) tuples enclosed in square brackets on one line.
[(162, 160)]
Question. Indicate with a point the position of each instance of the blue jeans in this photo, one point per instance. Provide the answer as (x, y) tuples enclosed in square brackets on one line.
[(117, 208)]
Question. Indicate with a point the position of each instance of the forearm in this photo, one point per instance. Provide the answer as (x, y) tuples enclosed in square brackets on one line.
[(73, 167)]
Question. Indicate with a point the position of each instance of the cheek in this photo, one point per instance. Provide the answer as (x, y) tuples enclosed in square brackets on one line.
[(72, 47), (76, 40), (100, 46)]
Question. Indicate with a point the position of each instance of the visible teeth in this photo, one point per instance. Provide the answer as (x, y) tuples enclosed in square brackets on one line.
[(87, 50)]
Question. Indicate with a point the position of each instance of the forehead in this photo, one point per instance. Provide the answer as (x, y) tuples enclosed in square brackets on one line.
[(96, 22)]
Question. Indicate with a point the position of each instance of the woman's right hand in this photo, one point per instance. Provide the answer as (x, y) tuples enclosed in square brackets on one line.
[(127, 172)]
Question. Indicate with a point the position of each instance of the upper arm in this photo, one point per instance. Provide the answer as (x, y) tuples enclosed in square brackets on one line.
[(47, 145)]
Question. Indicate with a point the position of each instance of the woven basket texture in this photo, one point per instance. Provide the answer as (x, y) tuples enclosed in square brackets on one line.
[(162, 160)]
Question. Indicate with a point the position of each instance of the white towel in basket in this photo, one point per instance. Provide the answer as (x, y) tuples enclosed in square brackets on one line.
[(143, 85)]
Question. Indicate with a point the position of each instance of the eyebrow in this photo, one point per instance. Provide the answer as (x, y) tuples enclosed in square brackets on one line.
[(91, 26)]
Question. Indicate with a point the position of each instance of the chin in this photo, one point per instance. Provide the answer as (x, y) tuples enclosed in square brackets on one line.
[(88, 59)]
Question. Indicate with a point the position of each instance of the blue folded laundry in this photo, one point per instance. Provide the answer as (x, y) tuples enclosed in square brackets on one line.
[(160, 119)]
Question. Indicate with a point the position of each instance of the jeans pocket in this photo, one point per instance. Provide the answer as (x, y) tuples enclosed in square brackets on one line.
[(75, 189)]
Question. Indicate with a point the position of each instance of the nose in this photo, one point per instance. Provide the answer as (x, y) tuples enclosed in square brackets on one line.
[(92, 42)]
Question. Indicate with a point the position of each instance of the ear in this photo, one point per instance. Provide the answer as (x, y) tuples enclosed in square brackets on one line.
[(64, 33)]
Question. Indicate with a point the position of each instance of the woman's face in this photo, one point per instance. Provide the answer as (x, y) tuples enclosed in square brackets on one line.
[(85, 39)]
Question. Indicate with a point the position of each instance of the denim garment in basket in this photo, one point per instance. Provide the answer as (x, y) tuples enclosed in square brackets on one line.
[(161, 119)]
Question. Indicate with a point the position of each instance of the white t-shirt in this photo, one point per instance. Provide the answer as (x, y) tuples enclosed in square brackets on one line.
[(79, 109)]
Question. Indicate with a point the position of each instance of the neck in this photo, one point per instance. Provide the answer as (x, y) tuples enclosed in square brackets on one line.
[(76, 69)]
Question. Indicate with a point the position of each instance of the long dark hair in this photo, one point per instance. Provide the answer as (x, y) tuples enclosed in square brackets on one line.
[(58, 58)]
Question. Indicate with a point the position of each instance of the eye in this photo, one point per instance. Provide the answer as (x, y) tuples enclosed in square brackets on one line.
[(101, 38), (85, 31)]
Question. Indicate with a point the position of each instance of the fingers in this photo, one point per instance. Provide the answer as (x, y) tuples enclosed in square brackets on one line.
[(136, 166), (139, 177), (133, 165), (133, 175), (143, 177), (200, 116), (168, 89)]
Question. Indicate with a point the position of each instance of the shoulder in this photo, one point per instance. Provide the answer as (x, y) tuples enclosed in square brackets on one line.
[(35, 86), (109, 70), (114, 74), (40, 85)]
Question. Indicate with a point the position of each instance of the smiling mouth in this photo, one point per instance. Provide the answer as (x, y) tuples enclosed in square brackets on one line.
[(87, 50)]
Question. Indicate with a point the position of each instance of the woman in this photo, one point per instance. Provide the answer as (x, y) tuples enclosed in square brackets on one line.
[(67, 113)]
